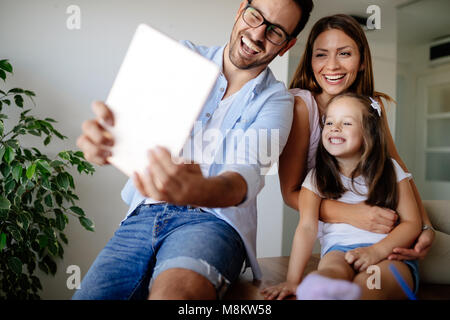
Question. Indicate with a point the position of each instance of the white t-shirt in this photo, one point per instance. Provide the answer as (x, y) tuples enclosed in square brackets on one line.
[(331, 234)]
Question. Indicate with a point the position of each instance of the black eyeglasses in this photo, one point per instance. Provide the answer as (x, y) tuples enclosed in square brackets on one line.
[(275, 34)]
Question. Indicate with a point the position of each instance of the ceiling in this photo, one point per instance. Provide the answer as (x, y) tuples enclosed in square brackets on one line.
[(422, 21)]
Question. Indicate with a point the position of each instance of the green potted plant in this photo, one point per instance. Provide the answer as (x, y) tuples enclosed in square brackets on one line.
[(36, 196)]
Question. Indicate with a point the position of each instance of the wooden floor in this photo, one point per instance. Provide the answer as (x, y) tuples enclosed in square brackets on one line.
[(274, 271)]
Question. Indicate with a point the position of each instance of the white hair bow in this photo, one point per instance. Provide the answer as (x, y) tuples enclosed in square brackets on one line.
[(376, 106)]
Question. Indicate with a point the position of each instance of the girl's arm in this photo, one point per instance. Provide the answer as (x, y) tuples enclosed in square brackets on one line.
[(302, 246), (305, 234), (292, 163), (403, 235)]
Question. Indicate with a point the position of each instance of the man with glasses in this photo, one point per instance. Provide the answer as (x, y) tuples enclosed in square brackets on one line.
[(191, 227)]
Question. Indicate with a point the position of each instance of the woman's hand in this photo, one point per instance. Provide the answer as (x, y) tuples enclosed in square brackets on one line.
[(421, 248), (377, 219), (360, 215), (279, 291)]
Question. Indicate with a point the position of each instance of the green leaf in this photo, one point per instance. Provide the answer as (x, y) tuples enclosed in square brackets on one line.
[(50, 264), (43, 267), (15, 265), (16, 90), (60, 221), (2, 241), (37, 152), (15, 232), (48, 200), (9, 186), (6, 100), (5, 65), (28, 154), (2, 75), (86, 223), (2, 152), (18, 99), (56, 163), (31, 170), (63, 238), (46, 184), (43, 240), (62, 180), (5, 169), (2, 128), (10, 154), (35, 133), (13, 143), (36, 282), (24, 113), (64, 155), (29, 93), (47, 140), (43, 166), (4, 214), (4, 203), (20, 191), (53, 247), (24, 221), (78, 211), (72, 184), (17, 172)]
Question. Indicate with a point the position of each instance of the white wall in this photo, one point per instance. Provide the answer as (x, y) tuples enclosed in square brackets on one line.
[(414, 66), (69, 69)]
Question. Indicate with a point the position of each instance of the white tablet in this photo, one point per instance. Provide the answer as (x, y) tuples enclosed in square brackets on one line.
[(158, 94)]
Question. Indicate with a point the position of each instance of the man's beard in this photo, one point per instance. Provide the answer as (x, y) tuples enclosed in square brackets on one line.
[(234, 47)]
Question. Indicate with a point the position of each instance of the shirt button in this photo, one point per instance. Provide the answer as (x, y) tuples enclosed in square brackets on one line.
[(222, 89), (208, 114)]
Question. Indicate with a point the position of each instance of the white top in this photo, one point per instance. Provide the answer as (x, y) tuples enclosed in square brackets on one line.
[(315, 131), (208, 142), (331, 234)]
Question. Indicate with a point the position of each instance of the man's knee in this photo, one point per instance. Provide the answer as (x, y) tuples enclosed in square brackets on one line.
[(181, 284)]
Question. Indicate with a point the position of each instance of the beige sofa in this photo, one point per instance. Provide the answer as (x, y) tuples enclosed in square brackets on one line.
[(435, 268)]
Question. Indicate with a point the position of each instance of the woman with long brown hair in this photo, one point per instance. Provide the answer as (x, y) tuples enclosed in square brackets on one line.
[(336, 60)]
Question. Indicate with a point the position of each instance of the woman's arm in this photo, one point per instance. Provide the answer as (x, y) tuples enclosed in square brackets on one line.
[(302, 246), (360, 215), (403, 235), (294, 157)]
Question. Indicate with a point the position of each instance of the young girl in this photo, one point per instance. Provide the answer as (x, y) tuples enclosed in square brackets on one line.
[(352, 166)]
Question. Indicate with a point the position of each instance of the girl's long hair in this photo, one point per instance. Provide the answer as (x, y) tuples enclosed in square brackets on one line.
[(375, 164), (364, 83)]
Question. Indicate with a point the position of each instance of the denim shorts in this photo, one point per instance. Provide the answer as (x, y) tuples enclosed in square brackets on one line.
[(158, 237), (412, 264)]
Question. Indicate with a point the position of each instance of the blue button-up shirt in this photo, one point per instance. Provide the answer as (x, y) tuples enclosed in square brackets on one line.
[(262, 105)]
